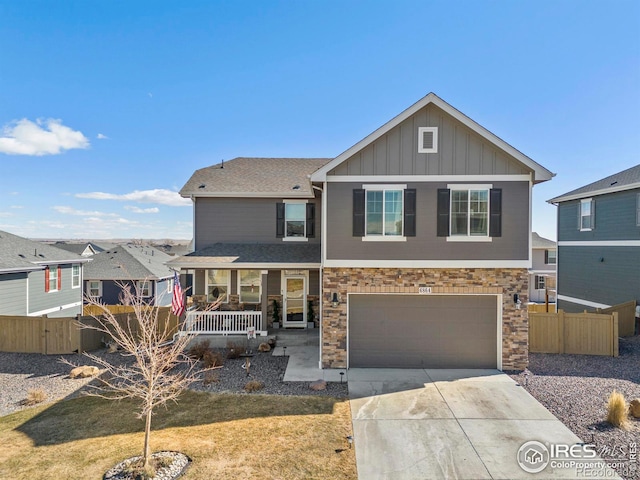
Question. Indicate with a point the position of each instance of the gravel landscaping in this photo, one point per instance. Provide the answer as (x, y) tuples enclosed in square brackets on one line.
[(575, 388), (21, 372)]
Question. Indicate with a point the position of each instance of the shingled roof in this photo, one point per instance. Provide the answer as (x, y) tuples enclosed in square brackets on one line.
[(540, 242), (18, 254), (625, 180), (258, 177), (129, 262)]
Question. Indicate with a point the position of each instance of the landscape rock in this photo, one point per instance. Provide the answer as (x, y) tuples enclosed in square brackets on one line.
[(634, 408), (264, 347), (318, 385), (85, 371)]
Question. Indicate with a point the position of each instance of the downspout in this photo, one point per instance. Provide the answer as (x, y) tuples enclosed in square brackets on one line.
[(322, 258)]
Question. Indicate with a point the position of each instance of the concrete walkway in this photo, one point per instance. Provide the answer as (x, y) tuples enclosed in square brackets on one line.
[(441, 424)]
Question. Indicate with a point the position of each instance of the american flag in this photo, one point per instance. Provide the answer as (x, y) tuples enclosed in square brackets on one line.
[(177, 302)]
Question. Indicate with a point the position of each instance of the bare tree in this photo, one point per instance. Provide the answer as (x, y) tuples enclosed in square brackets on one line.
[(159, 371)]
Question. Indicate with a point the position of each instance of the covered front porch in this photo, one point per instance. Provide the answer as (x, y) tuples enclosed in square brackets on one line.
[(236, 288)]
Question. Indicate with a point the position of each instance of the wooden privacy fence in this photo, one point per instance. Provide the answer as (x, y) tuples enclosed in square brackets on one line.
[(578, 333), (540, 307), (58, 336), (626, 317)]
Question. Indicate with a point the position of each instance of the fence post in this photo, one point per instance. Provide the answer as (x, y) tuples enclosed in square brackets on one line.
[(560, 331), (614, 334)]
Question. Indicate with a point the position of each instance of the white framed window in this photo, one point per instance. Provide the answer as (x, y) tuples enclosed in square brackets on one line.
[(295, 220), (586, 215), (53, 278), (144, 287), (427, 139), (169, 285), (249, 286), (94, 288), (540, 282), (469, 211), (384, 211), (551, 257), (75, 276), (218, 285)]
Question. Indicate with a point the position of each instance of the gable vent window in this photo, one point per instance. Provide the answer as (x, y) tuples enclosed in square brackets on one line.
[(428, 140)]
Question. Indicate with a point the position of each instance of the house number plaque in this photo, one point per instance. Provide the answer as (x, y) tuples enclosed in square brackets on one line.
[(423, 290)]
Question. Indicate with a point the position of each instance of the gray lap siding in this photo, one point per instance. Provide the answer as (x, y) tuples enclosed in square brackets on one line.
[(40, 300), (13, 294)]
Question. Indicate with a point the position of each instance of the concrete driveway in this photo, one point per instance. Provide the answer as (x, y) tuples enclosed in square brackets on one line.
[(459, 424)]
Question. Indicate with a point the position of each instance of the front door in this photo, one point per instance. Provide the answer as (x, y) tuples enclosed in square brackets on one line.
[(295, 302)]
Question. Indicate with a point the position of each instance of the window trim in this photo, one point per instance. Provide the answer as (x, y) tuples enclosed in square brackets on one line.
[(380, 187), (421, 147), (581, 216), (99, 282), (53, 277), (206, 283), (75, 277), (239, 285), (468, 187), (537, 282), (140, 286), (549, 251), (304, 237)]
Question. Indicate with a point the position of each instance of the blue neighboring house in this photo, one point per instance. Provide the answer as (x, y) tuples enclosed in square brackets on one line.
[(138, 266), (38, 279), (599, 243)]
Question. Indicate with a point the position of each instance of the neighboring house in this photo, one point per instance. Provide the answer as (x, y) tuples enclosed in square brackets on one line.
[(137, 266), (85, 249), (599, 243), (542, 274), (39, 279), (413, 245)]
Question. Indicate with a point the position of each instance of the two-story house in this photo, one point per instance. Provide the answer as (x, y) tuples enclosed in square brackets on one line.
[(415, 243), (542, 274), (139, 268), (599, 243), (38, 279)]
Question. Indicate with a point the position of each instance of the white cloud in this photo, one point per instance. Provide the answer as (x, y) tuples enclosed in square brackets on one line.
[(6, 214), (134, 209), (44, 137), (159, 195), (16, 206), (100, 136), (83, 213)]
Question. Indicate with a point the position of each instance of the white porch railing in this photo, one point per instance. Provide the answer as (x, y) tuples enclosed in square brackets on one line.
[(223, 323)]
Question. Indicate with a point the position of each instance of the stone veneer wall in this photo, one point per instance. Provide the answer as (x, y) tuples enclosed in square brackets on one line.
[(505, 281)]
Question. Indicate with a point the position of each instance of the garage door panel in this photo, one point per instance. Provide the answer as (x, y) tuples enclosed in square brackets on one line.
[(454, 331)]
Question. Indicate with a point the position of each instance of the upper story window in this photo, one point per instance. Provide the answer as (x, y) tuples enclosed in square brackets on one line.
[(75, 276), (218, 285), (94, 288), (144, 288), (550, 257), (249, 286), (295, 220), (428, 140), (53, 278), (384, 212), (469, 212), (587, 215)]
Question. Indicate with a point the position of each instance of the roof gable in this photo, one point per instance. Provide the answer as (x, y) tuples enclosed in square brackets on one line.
[(21, 254), (513, 160)]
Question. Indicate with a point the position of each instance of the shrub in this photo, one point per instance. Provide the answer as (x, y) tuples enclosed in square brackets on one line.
[(234, 350), (617, 410), (198, 350), (253, 386), (211, 359), (35, 396), (210, 377)]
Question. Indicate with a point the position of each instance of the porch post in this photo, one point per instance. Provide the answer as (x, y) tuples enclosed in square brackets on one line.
[(265, 301)]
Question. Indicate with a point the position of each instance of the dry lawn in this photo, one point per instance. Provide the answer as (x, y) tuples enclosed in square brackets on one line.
[(227, 437)]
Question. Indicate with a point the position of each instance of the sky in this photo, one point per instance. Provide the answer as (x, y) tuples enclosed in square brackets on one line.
[(108, 107)]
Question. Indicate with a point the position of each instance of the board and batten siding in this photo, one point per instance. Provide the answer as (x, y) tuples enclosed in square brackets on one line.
[(426, 245), (40, 300), (13, 293), (615, 218), (461, 151), (607, 275), (241, 220)]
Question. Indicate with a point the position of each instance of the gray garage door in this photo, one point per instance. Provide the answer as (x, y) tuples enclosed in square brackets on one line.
[(423, 331)]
